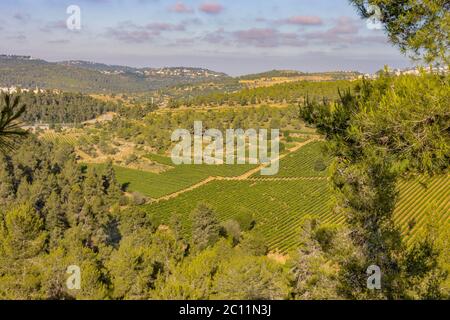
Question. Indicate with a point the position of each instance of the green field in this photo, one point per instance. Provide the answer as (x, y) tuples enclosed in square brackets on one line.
[(58, 138), (309, 161), (418, 200), (278, 206), (298, 164), (177, 178)]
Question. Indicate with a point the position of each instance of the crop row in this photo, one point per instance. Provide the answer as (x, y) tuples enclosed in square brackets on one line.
[(308, 161), (279, 206)]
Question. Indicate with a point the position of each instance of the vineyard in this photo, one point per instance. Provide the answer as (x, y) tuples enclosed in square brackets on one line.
[(309, 161), (156, 185), (278, 206), (67, 138), (277, 203), (421, 199)]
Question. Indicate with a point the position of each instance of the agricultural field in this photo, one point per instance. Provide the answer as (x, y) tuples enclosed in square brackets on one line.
[(420, 200), (68, 138), (176, 178), (309, 161), (279, 206)]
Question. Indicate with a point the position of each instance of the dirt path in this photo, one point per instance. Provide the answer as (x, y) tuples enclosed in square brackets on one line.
[(247, 175), (250, 173), (288, 179), (193, 187)]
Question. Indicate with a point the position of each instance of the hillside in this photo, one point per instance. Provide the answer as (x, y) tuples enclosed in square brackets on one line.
[(279, 203), (89, 77), (92, 77), (274, 77)]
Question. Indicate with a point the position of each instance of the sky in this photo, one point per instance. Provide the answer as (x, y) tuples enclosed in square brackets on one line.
[(236, 37)]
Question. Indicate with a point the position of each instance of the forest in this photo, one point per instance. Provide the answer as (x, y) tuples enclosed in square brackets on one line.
[(352, 151), (62, 108), (279, 93)]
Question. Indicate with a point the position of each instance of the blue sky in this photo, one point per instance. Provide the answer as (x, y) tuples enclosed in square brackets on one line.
[(235, 37)]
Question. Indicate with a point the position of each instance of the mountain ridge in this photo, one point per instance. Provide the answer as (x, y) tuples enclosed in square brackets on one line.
[(91, 77)]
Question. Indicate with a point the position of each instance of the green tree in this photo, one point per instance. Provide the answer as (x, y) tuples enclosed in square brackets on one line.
[(392, 127), (56, 221), (110, 185), (22, 243), (7, 193), (314, 273), (193, 279), (254, 243), (205, 227), (421, 27), (233, 231), (133, 267), (251, 278)]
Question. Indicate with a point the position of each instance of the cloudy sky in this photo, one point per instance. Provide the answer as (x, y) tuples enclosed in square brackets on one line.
[(233, 36)]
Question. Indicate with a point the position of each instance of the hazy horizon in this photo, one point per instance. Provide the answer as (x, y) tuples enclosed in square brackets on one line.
[(196, 66), (230, 37)]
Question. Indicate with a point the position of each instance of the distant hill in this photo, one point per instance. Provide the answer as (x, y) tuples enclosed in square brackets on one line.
[(273, 74), (91, 77)]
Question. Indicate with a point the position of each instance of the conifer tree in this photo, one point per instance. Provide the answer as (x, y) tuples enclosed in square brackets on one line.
[(56, 221), (205, 227), (22, 243)]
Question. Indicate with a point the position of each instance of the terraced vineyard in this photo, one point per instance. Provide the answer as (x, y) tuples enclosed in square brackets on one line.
[(278, 206), (176, 178), (57, 138), (418, 200), (309, 161)]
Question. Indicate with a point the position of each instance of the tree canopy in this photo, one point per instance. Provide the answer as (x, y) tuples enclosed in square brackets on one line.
[(420, 27)]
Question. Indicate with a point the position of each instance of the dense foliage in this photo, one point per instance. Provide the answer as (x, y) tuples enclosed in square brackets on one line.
[(155, 129), (280, 93), (54, 215), (392, 127), (62, 108), (420, 27)]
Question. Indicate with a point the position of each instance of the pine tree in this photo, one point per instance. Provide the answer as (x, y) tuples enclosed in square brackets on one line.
[(11, 110), (22, 243), (56, 222), (251, 278), (74, 205), (93, 184), (6, 183), (205, 227), (110, 185)]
